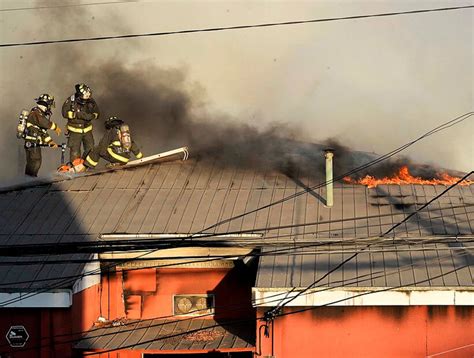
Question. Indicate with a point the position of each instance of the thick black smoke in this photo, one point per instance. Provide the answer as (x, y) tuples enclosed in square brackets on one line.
[(165, 110)]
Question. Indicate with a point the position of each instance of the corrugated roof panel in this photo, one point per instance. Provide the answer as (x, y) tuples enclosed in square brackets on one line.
[(391, 268), (154, 210), (239, 208), (247, 179), (167, 210), (321, 268), (177, 214), (167, 330), (420, 270), (47, 213), (214, 213), (378, 266), (193, 177), (138, 177), (306, 271), (363, 263), (131, 208), (215, 177), (202, 210), (262, 215), (160, 175), (77, 183), (89, 183), (137, 333), (114, 179), (280, 272), (336, 277), (126, 178), (248, 221), (141, 211), (226, 178), (150, 333), (35, 216), (24, 204), (227, 210), (184, 344), (182, 179), (172, 174), (407, 277), (190, 211), (287, 214), (111, 210), (311, 213), (299, 216), (83, 211)]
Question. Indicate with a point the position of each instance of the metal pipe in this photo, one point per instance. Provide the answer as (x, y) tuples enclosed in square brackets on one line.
[(329, 154)]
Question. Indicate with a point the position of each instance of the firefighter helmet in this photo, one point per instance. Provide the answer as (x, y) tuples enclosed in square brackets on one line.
[(113, 122), (82, 89), (45, 100)]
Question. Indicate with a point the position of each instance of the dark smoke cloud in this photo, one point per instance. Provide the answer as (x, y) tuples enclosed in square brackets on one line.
[(165, 110)]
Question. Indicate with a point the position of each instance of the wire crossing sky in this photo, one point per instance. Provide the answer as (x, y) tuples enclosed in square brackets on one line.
[(238, 27)]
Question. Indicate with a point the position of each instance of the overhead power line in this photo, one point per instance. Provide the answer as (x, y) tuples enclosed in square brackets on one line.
[(137, 244), (67, 5), (273, 312), (386, 156), (353, 171), (243, 321), (238, 27), (268, 299)]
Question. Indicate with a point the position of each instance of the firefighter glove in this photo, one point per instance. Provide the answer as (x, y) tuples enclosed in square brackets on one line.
[(52, 144), (58, 131)]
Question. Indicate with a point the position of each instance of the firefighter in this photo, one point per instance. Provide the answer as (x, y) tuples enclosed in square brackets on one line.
[(37, 124), (80, 110), (115, 146)]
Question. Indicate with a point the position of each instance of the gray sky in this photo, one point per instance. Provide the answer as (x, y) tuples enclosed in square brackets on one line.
[(374, 83)]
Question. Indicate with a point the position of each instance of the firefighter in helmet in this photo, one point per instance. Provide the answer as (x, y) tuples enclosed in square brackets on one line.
[(36, 134), (115, 146), (80, 110)]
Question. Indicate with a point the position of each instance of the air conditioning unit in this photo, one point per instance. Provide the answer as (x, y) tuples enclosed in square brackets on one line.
[(193, 305)]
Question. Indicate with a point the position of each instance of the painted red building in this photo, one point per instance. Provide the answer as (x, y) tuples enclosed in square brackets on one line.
[(409, 295)]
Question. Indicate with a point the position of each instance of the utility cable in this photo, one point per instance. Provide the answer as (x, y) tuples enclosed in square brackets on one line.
[(353, 281), (271, 314), (367, 165), (238, 27), (221, 239), (383, 157), (244, 321), (67, 5)]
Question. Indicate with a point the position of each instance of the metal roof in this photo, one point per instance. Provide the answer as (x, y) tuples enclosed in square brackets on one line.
[(175, 335), (187, 197), (424, 265)]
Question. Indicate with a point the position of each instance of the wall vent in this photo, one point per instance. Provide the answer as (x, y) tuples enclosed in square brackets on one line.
[(193, 305)]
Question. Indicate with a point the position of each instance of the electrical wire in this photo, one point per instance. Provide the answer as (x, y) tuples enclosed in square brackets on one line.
[(367, 165), (342, 263), (238, 27), (146, 244), (244, 321), (67, 5), (353, 281), (441, 127)]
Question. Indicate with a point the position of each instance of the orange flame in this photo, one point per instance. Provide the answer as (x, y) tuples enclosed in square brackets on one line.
[(404, 177)]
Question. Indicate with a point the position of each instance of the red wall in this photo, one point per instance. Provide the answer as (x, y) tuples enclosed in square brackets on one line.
[(135, 294), (416, 331), (148, 293), (46, 326)]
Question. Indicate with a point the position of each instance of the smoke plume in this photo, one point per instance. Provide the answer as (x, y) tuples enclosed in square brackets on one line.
[(165, 110)]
